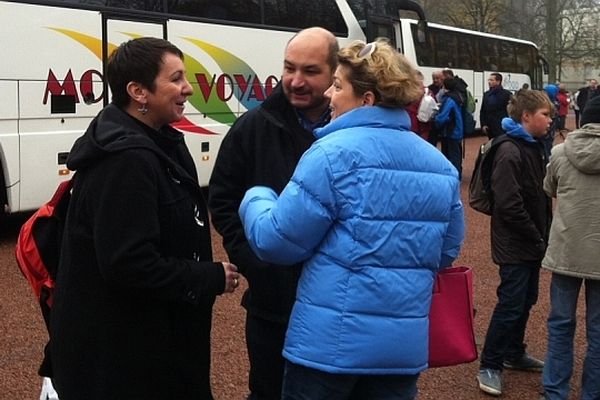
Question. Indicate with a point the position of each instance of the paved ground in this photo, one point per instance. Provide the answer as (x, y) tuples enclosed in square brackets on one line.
[(22, 333)]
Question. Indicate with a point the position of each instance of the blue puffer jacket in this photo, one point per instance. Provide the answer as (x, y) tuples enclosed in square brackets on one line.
[(374, 210), (450, 119)]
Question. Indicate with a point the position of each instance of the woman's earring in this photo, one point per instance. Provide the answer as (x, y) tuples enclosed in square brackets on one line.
[(143, 109)]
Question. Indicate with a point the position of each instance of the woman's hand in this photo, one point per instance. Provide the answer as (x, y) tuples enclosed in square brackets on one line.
[(231, 277)]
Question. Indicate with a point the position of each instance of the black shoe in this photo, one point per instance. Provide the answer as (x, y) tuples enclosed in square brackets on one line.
[(525, 363)]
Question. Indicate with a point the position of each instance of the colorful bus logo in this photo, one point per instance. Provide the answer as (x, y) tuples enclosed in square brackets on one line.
[(212, 92)]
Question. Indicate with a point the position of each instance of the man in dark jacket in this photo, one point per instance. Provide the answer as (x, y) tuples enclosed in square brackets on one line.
[(459, 84), (519, 231), (587, 93), (263, 148), (493, 106)]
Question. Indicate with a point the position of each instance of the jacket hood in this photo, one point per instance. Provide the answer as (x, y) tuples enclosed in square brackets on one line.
[(582, 148), (455, 95), (368, 117), (516, 130), (111, 131), (551, 90)]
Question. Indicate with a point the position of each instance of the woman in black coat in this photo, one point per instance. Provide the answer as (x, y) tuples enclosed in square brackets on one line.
[(136, 282)]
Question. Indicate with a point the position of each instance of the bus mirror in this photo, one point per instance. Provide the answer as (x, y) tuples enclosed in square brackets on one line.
[(545, 66), (422, 31)]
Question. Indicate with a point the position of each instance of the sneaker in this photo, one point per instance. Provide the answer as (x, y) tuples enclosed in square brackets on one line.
[(526, 363), (490, 381)]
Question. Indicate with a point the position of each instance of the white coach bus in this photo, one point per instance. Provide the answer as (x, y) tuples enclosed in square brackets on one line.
[(51, 78), (54, 54), (469, 54)]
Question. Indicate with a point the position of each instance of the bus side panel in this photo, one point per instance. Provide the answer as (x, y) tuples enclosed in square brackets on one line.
[(58, 55), (9, 142), (232, 70)]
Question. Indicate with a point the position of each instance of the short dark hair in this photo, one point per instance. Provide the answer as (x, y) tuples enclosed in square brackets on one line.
[(448, 73), (137, 60), (450, 83), (497, 75)]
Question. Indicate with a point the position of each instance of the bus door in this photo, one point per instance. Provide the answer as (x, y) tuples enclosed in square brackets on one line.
[(380, 26), (479, 87), (118, 29)]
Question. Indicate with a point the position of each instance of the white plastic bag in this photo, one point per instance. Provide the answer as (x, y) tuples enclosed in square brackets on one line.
[(48, 392)]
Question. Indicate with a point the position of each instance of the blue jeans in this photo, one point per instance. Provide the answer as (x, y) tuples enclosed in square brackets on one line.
[(564, 291), (302, 383), (517, 293)]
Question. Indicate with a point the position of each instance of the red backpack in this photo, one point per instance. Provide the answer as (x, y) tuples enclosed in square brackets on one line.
[(38, 251)]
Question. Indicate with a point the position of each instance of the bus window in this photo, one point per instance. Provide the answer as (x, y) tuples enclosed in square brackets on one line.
[(302, 14), (446, 48), (376, 29), (423, 51), (507, 56), (468, 57), (525, 59), (142, 5), (147, 5), (489, 54), (226, 10)]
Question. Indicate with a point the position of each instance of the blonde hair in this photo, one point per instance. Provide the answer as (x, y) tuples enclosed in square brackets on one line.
[(530, 101), (383, 71)]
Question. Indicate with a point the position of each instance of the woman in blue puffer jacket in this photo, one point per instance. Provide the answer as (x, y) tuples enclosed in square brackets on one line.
[(374, 211)]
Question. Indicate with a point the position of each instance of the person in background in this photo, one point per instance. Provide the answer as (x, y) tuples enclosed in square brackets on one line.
[(587, 93), (548, 140), (519, 233), (262, 148), (573, 104), (359, 326), (136, 281), (493, 106), (562, 97), (459, 84), (435, 87), (437, 83), (421, 128), (450, 124), (573, 178)]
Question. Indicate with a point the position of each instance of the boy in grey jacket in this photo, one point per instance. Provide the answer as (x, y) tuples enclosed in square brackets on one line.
[(573, 178)]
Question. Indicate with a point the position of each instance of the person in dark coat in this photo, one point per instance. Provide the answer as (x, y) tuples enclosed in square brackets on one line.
[(449, 123), (519, 231), (262, 148), (493, 106), (587, 93), (136, 282)]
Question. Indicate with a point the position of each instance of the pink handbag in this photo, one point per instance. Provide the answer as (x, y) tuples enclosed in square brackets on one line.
[(451, 334)]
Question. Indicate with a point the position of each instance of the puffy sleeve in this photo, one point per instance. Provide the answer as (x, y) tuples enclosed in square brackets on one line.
[(289, 228), (456, 231)]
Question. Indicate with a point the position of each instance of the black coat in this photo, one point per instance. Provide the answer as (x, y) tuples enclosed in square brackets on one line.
[(493, 109), (136, 283), (261, 148), (586, 94), (522, 210)]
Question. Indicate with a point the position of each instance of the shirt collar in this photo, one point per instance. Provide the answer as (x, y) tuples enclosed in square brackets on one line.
[(308, 124)]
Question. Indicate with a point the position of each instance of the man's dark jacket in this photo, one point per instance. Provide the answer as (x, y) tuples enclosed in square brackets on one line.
[(261, 148), (522, 211), (493, 109), (586, 94), (136, 284)]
